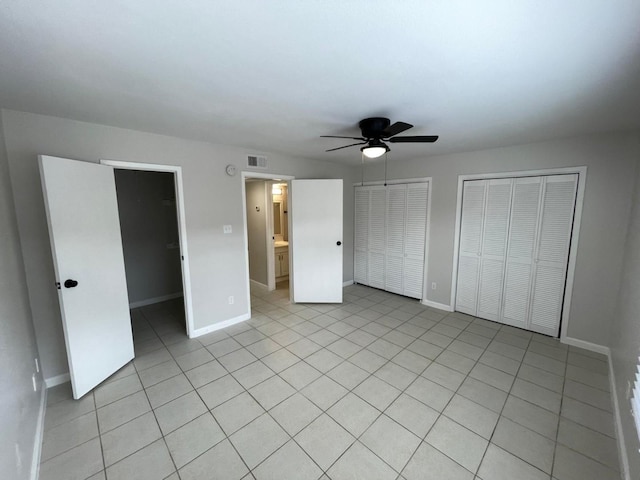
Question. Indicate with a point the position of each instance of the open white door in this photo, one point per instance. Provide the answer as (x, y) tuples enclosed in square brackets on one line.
[(316, 246), (84, 229)]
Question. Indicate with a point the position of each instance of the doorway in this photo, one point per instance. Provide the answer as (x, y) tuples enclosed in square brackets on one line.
[(150, 237), (164, 183), (266, 221)]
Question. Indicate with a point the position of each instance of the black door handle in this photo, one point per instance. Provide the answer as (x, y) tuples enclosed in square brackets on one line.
[(339, 243), (70, 283)]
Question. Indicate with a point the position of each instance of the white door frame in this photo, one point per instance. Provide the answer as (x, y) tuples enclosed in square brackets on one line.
[(182, 227), (573, 248), (428, 180), (271, 278)]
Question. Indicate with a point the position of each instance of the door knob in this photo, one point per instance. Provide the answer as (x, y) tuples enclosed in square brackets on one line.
[(70, 283), (338, 243)]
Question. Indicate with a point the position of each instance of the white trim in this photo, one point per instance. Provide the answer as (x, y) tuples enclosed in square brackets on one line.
[(57, 380), (592, 347), (347, 283), (622, 447), (393, 182), (38, 438), (575, 235), (182, 226), (271, 255), (439, 306), (243, 177), (151, 301), (220, 325), (258, 284)]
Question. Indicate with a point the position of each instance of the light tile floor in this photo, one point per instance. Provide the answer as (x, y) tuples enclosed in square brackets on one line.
[(379, 387)]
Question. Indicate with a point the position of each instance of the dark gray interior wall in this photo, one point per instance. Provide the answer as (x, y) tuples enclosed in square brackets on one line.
[(149, 226), (19, 404), (625, 335), (257, 231)]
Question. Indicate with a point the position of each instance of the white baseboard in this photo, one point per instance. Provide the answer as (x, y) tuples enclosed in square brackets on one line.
[(37, 441), (622, 448), (57, 380), (257, 284), (347, 283), (151, 301), (439, 306), (217, 326), (592, 347)]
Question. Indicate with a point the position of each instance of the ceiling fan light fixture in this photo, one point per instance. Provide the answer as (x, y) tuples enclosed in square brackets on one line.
[(374, 150)]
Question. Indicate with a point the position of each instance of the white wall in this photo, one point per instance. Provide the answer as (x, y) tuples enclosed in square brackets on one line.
[(19, 404), (147, 226), (212, 199), (610, 178), (625, 334), (257, 231)]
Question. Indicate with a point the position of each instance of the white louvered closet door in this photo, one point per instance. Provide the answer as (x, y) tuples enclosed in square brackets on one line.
[(473, 198), (551, 257), (395, 238), (377, 244), (522, 239), (361, 235), (494, 248), (415, 239)]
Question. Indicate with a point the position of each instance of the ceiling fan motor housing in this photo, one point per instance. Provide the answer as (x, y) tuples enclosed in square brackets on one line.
[(374, 127)]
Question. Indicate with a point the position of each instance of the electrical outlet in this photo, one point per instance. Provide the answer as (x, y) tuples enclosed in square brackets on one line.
[(231, 300), (35, 384), (227, 228), (433, 285), (37, 365)]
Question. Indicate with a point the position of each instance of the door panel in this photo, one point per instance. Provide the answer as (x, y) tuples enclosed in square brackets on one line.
[(316, 246), (84, 228)]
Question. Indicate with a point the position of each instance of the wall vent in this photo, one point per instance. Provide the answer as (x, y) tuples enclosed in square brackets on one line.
[(257, 161)]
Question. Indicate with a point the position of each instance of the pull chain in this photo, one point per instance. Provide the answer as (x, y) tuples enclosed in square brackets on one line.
[(386, 154)]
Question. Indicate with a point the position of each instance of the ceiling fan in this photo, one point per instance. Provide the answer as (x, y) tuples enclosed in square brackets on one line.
[(378, 130)]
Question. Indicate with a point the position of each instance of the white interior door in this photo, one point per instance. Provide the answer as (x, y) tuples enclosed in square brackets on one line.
[(84, 229), (316, 246), (473, 196)]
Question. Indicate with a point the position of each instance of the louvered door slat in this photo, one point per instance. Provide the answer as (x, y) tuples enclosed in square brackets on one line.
[(361, 234), (494, 246), (396, 217), (473, 200), (520, 250), (552, 253), (377, 227), (417, 208)]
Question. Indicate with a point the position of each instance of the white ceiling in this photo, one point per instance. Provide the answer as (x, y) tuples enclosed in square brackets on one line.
[(275, 75)]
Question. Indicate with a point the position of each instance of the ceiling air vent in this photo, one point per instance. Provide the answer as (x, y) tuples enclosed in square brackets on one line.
[(256, 161)]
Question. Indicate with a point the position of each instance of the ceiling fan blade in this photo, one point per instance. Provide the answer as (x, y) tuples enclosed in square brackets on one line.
[(416, 139), (395, 129), (336, 136), (346, 146)]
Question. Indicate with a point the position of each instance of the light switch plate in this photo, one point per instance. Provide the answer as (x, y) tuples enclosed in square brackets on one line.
[(227, 229)]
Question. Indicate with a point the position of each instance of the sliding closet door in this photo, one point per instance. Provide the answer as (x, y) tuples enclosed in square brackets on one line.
[(396, 220), (377, 226), (361, 235), (494, 248), (415, 239), (551, 258), (522, 241), (473, 194)]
